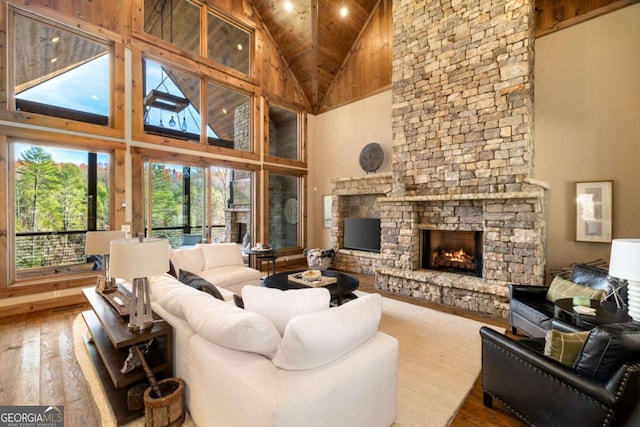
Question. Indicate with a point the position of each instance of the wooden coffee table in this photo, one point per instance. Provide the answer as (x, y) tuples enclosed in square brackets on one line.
[(341, 291), (606, 312)]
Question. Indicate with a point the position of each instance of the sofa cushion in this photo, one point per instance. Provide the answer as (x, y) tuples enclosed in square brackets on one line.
[(169, 293), (200, 284), (220, 255), (315, 339), (588, 275), (564, 346), (224, 324), (189, 259), (561, 288), (281, 306), (231, 275), (607, 348)]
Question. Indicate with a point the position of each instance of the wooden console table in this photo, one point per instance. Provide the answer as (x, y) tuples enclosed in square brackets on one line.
[(109, 346)]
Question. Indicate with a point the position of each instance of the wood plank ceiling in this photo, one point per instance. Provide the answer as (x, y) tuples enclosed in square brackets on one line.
[(314, 37)]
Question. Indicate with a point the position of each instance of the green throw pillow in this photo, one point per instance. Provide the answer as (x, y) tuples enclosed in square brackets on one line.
[(200, 284), (561, 288), (564, 346)]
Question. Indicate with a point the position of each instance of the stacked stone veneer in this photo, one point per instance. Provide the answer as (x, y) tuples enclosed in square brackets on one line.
[(462, 96), (462, 121), (356, 197)]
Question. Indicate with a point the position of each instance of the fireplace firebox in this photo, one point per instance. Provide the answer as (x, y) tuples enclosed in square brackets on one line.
[(452, 251)]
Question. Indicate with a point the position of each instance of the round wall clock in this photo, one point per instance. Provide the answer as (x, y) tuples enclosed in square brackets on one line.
[(291, 211), (371, 157)]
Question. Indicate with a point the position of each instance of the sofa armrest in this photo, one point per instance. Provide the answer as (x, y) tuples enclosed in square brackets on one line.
[(527, 292), (562, 326), (501, 354)]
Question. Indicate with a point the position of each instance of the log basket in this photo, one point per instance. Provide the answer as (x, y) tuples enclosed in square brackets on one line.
[(163, 400)]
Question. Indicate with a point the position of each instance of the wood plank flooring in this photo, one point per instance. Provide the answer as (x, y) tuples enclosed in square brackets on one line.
[(38, 366)]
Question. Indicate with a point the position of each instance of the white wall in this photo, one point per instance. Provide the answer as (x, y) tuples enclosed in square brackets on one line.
[(587, 125), (335, 140)]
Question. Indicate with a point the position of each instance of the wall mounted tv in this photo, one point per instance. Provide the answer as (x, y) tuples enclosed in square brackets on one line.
[(362, 234)]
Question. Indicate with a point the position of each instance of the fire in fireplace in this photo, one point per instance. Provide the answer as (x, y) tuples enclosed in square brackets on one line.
[(452, 251)]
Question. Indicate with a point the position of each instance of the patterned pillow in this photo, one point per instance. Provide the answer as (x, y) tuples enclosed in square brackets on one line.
[(561, 288), (200, 284), (564, 346)]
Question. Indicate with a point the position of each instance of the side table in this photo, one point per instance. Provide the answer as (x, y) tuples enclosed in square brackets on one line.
[(109, 348), (606, 312)]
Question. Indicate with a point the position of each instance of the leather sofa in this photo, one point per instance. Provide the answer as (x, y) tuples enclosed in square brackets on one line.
[(601, 389), (530, 312)]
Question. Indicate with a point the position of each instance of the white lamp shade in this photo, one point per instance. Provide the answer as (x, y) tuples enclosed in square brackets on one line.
[(132, 259), (98, 242), (625, 259)]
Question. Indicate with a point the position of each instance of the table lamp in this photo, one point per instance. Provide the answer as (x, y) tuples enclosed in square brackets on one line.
[(135, 260), (625, 264), (98, 243)]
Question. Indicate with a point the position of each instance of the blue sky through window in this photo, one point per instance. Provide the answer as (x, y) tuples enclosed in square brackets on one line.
[(62, 155), (158, 79), (84, 88)]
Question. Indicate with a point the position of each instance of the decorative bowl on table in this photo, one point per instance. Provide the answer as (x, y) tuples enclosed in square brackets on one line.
[(311, 275)]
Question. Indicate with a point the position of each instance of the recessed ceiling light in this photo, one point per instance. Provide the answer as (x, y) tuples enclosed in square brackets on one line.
[(55, 39), (52, 60), (344, 11), (239, 46), (224, 110), (288, 6)]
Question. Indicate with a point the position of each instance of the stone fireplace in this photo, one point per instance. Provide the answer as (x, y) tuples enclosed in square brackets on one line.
[(462, 125), (454, 251)]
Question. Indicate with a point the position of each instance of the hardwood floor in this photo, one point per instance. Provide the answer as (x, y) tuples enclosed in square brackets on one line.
[(38, 366)]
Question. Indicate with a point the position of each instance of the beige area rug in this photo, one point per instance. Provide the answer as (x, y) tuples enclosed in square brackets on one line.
[(439, 363)]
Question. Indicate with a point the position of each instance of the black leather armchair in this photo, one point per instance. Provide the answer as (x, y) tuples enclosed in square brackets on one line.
[(529, 310), (601, 389)]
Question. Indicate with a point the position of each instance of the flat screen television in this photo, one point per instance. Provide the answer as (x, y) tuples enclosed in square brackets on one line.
[(362, 234)]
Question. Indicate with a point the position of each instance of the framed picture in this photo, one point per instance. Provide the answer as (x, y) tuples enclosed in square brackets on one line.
[(594, 205), (327, 211)]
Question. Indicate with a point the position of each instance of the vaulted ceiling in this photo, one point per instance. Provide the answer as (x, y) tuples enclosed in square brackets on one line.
[(315, 37)]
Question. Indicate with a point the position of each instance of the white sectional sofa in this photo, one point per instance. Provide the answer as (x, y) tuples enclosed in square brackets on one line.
[(330, 367), (219, 263)]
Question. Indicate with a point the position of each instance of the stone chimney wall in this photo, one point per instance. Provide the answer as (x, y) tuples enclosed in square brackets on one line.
[(462, 96)]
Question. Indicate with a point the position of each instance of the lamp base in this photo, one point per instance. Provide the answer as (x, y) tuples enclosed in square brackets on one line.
[(140, 328), (634, 299), (140, 318)]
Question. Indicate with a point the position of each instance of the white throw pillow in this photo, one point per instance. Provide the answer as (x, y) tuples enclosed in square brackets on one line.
[(224, 324), (312, 340), (280, 306), (189, 259), (220, 255)]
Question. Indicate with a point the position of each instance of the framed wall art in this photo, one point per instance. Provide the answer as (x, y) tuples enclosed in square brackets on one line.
[(594, 211)]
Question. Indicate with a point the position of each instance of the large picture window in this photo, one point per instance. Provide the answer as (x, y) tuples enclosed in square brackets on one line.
[(283, 133), (59, 194), (284, 213), (60, 73), (174, 21), (191, 204)]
